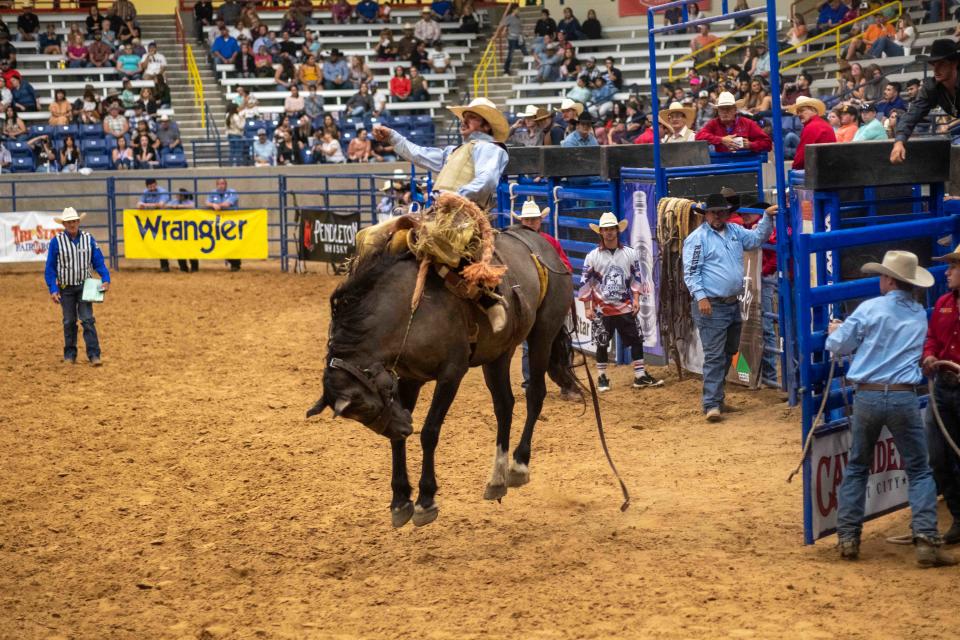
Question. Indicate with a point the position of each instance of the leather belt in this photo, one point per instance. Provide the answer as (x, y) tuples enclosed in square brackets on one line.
[(727, 300), (871, 386)]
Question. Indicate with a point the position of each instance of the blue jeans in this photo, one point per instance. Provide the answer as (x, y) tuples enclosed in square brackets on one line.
[(512, 45), (236, 150), (769, 286), (790, 143), (900, 412), (74, 307), (888, 46), (943, 461), (720, 337)]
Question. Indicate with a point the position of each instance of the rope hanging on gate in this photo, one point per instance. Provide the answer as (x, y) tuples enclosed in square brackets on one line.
[(675, 221), (816, 421)]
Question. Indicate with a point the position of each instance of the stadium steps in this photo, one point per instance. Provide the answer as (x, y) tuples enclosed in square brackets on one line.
[(162, 30)]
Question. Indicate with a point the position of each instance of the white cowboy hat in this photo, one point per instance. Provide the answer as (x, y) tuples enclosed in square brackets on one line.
[(804, 101), (531, 209), (901, 265), (399, 176), (609, 220), (537, 113), (676, 107), (726, 99), (489, 112), (571, 104), (69, 214)]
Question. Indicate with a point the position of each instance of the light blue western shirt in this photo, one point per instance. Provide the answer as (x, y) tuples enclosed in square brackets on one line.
[(886, 336), (228, 197), (160, 196), (489, 161), (713, 261), (576, 139)]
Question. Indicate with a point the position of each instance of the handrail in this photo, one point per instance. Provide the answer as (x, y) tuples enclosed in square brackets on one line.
[(836, 31), (759, 26), (193, 77), (488, 60)]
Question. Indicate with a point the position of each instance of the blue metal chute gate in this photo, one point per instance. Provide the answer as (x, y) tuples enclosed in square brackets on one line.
[(836, 230)]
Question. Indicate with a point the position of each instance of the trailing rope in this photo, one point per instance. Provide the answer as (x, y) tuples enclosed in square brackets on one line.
[(816, 420), (675, 220)]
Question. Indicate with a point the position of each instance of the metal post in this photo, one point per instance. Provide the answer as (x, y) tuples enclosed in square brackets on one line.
[(112, 241), (660, 182), (282, 195)]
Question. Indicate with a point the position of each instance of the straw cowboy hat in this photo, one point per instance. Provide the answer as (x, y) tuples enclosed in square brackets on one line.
[(676, 107), (955, 255), (902, 266), (609, 220), (531, 209), (537, 113), (489, 112), (571, 104), (804, 101), (726, 99), (399, 176), (69, 214), (717, 203)]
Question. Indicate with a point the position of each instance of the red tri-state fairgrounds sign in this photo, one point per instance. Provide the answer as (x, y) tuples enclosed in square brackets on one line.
[(639, 7)]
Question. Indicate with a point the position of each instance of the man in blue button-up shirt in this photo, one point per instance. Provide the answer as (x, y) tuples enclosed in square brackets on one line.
[(886, 334), (221, 199), (582, 136), (713, 273), (156, 197)]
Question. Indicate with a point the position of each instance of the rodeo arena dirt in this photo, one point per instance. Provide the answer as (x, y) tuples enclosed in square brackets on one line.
[(178, 492)]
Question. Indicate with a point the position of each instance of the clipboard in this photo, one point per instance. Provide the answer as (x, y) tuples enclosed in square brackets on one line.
[(91, 290)]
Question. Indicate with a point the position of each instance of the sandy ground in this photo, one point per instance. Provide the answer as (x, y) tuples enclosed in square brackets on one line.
[(178, 492)]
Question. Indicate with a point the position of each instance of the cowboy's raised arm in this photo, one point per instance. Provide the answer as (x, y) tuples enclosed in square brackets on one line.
[(431, 158)]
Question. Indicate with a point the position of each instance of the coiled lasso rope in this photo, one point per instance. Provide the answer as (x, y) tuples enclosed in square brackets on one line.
[(675, 220)]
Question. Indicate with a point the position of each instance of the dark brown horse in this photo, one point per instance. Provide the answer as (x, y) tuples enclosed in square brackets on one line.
[(370, 315)]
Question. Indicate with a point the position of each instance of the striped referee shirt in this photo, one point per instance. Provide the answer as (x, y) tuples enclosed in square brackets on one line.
[(69, 260)]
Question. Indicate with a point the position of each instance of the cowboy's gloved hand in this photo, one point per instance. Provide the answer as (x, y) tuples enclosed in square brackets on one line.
[(927, 365), (381, 133)]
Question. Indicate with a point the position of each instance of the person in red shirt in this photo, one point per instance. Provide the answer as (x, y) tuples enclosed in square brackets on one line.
[(943, 343), (816, 130), (731, 132)]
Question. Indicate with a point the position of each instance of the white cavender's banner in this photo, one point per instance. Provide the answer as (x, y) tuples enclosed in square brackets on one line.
[(886, 486), (25, 235)]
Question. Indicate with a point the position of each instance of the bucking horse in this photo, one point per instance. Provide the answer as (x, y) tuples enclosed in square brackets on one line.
[(380, 354)]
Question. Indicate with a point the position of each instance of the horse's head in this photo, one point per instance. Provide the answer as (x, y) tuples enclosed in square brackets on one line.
[(367, 395)]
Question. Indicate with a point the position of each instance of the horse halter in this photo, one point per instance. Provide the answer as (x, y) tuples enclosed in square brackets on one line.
[(379, 381)]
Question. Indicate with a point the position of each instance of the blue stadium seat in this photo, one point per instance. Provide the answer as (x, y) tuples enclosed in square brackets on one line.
[(250, 128), (17, 148), (176, 159), (404, 120), (91, 131), (40, 130), (22, 164), (95, 160), (62, 131), (423, 120), (95, 145), (307, 157)]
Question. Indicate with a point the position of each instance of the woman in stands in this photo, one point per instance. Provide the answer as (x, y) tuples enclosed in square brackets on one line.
[(286, 154), (303, 136), (264, 63), (359, 149), (94, 20), (61, 111), (749, 62), (330, 150), (386, 47), (418, 86), (44, 155), (293, 104), (899, 43), (148, 102), (758, 100), (122, 155), (161, 92), (89, 107), (400, 85), (13, 127), (591, 27), (360, 73), (311, 46), (292, 23), (468, 19), (872, 89), (570, 26), (286, 75), (797, 32), (310, 72), (77, 54), (235, 125), (569, 66), (51, 42), (144, 155), (330, 126), (70, 156), (126, 33), (249, 18)]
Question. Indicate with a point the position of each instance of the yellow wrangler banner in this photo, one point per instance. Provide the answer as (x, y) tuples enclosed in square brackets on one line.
[(184, 234)]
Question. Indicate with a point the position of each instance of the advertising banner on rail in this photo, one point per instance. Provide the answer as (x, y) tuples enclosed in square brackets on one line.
[(25, 235), (199, 234), (640, 208), (886, 486), (327, 236)]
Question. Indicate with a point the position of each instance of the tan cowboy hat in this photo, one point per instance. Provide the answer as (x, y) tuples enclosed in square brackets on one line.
[(571, 104), (901, 265), (531, 209), (399, 176), (804, 101), (609, 220), (676, 107), (955, 255), (726, 99), (69, 214), (537, 113), (489, 112)]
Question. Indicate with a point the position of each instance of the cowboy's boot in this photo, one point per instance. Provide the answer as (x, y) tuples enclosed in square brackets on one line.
[(929, 553)]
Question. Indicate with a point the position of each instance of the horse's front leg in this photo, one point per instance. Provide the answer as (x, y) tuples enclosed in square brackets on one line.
[(401, 508), (426, 508)]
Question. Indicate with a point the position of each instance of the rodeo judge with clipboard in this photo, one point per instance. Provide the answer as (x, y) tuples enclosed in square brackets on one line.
[(471, 170), (70, 257)]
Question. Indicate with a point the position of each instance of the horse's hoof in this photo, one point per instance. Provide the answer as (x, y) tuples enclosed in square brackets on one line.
[(401, 515), (517, 475), (494, 491), (425, 515)]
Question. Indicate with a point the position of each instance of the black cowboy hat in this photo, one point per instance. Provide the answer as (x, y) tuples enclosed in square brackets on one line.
[(731, 196), (585, 118), (717, 203), (942, 49)]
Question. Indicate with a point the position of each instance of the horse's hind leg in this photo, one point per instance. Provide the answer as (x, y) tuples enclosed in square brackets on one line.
[(401, 508), (426, 509), (497, 376), (538, 343)]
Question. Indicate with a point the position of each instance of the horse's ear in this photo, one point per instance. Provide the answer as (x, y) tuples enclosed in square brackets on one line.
[(317, 408)]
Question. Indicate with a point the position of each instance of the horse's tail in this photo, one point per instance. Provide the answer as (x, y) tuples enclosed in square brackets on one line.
[(560, 366)]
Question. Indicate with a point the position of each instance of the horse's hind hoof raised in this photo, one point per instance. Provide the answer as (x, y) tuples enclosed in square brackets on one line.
[(425, 515), (401, 515), (494, 491), (518, 474)]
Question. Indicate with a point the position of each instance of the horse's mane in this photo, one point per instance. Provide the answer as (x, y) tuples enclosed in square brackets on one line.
[(350, 303)]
